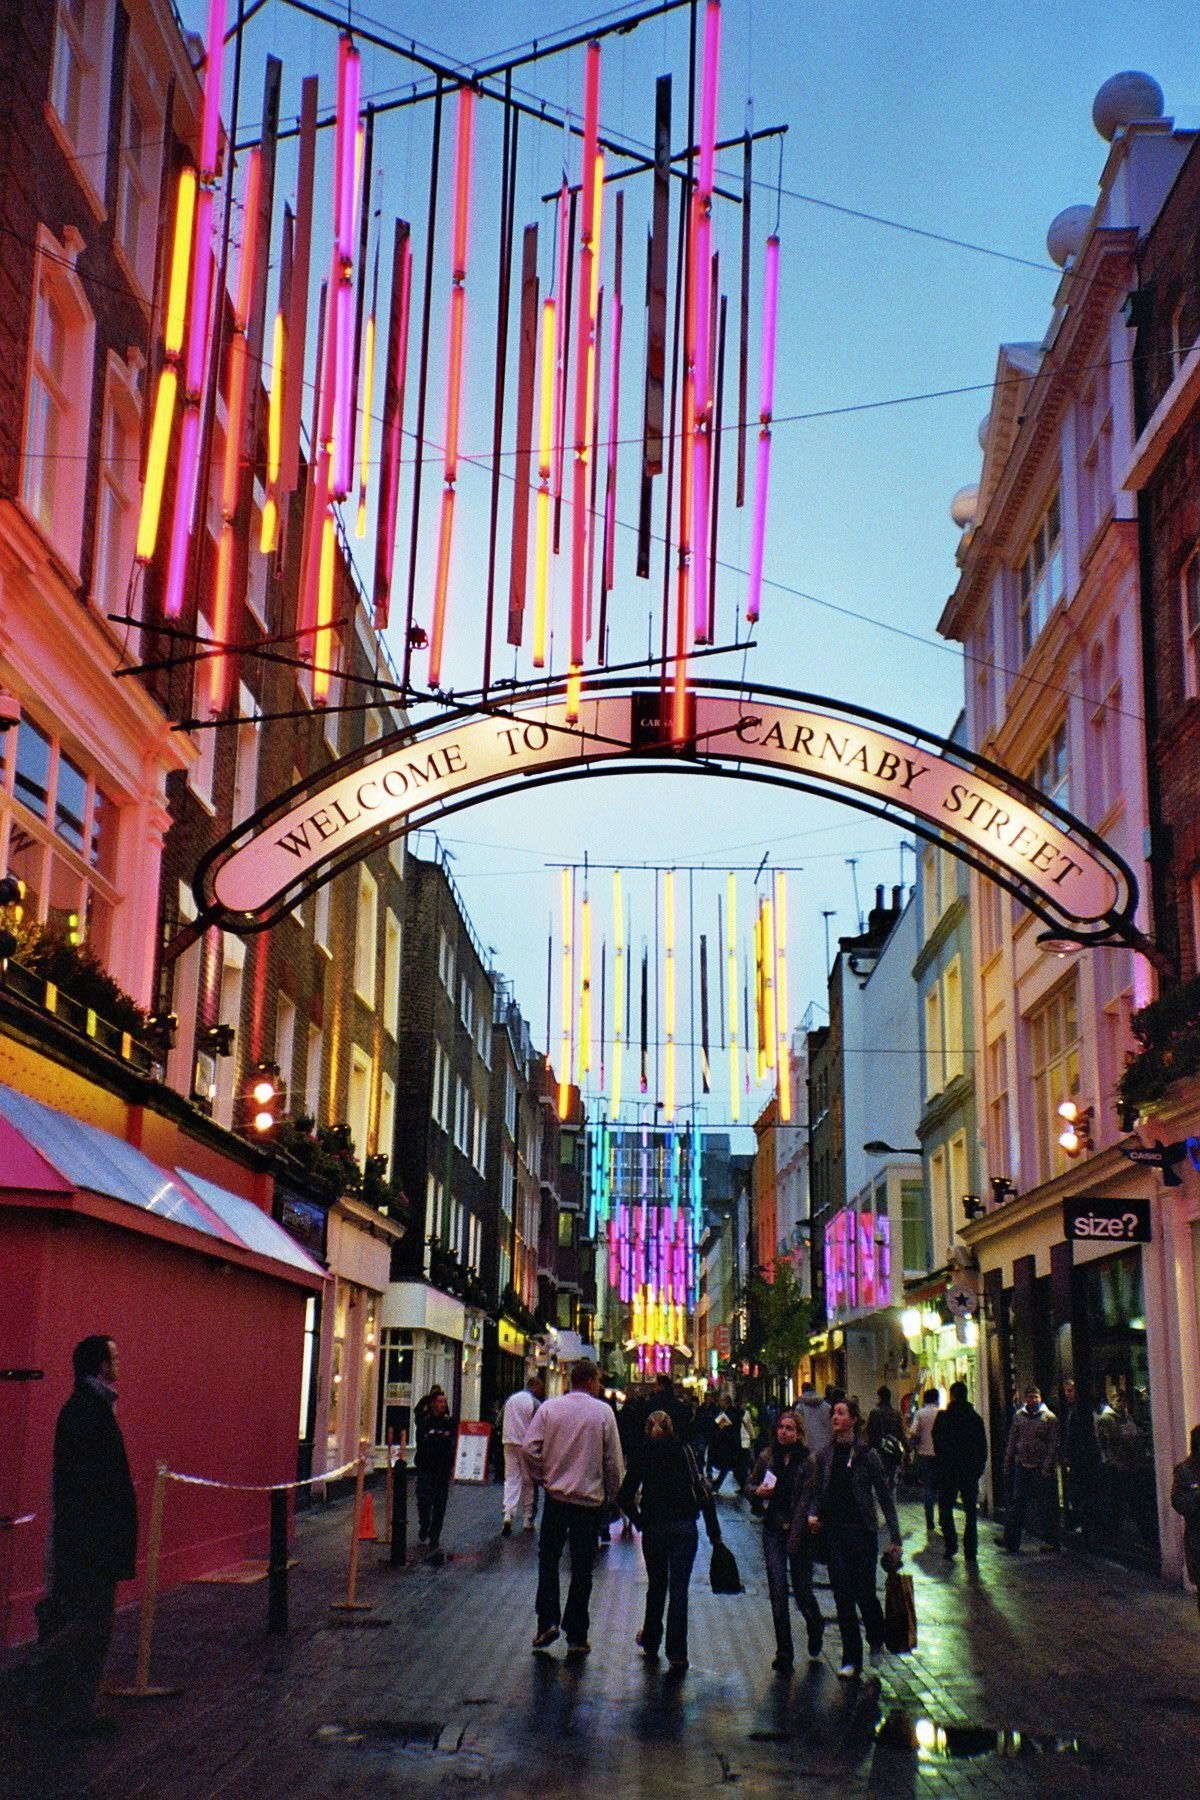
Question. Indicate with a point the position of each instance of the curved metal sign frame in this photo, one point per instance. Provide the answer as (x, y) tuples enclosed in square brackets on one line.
[(978, 811)]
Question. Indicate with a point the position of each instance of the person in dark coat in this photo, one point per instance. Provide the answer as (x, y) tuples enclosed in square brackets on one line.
[(776, 1488), (886, 1434), (1079, 1452), (960, 1451), (725, 1442), (1185, 1498), (846, 1481), (94, 1543), (435, 1465), (664, 1493)]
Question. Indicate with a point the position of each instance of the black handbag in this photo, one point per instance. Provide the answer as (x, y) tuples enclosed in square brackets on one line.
[(723, 1571)]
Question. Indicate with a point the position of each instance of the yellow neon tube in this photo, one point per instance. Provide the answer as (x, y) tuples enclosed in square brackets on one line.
[(574, 693), (768, 957), (156, 462), (759, 1059), (181, 258), (368, 382), (783, 1076)]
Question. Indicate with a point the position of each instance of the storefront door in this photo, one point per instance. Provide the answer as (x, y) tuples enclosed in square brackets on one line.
[(1113, 1374)]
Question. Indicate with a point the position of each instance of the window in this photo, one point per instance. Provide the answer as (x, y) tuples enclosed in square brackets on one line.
[(391, 972), (79, 88), (138, 172), (914, 1228), (566, 1231), (1190, 611), (931, 902), (245, 773), (120, 491), (952, 1019), (479, 1158), (1041, 577), (1051, 773), (386, 1136), (312, 1074), (63, 839), (229, 1012), (510, 1100), (466, 1002), (364, 937), (321, 917), (358, 1103), (445, 961), (935, 1078), (1095, 455), (1182, 337), (285, 1047), (997, 1105), (1054, 1059), (60, 397)]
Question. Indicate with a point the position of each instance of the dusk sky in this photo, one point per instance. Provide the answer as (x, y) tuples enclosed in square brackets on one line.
[(968, 128)]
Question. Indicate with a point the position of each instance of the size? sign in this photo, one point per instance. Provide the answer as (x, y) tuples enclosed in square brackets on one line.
[(1089, 1219)]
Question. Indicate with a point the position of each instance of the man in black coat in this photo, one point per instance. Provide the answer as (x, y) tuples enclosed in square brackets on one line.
[(960, 1452), (94, 1542)]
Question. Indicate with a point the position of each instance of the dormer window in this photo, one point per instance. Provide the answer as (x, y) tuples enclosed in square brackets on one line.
[(1041, 576)]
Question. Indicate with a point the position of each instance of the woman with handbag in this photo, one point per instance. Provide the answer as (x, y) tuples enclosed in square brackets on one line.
[(663, 1494), (776, 1488), (846, 1481)]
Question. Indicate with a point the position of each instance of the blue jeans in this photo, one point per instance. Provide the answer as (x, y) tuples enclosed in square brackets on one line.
[(853, 1552), (669, 1552), (578, 1526), (779, 1567), (929, 1487)]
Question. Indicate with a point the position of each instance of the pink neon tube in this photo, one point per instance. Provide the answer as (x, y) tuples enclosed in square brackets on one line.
[(766, 404), (346, 154), (462, 197), (181, 521), (210, 127), (342, 474), (708, 96), (584, 353), (701, 609), (198, 312), (560, 399)]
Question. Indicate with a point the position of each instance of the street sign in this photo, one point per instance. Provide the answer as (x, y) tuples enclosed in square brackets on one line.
[(470, 1457), (721, 1341), (1089, 1219)]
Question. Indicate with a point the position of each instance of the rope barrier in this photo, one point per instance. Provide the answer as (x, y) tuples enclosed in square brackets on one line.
[(265, 1487)]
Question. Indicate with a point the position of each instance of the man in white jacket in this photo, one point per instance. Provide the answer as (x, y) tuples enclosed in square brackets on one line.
[(572, 1448), (519, 1487)]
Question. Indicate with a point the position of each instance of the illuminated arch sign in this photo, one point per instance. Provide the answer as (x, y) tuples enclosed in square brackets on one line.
[(1059, 868)]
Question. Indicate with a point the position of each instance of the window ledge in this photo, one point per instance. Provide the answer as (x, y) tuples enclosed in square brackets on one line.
[(62, 567), (93, 197), (136, 285), (205, 800)]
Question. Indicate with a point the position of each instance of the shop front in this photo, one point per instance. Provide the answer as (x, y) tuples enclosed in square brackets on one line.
[(421, 1346), (358, 1249)]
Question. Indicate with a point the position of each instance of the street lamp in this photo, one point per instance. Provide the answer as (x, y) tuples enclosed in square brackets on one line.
[(877, 1147)]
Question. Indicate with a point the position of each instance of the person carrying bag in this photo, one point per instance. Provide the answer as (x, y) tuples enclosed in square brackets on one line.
[(663, 1494), (776, 1489)]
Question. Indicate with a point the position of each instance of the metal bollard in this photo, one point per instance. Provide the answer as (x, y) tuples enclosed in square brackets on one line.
[(399, 1550), (277, 1567)]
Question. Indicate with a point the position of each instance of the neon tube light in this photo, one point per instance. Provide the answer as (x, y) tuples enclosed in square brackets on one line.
[(393, 424), (210, 124), (168, 380), (567, 996), (181, 258), (270, 515), (766, 404), (669, 935), (458, 276), (585, 986), (584, 353), (768, 966), (323, 637), (181, 523), (368, 384), (731, 958), (156, 462), (782, 1060), (547, 454), (614, 432), (619, 979)]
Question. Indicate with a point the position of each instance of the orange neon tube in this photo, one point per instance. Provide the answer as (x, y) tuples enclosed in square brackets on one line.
[(218, 662), (441, 582)]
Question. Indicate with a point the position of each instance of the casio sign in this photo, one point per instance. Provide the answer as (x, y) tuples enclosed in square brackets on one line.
[(1088, 1218)]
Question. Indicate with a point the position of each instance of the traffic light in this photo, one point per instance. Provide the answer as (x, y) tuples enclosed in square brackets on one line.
[(263, 1098), (1076, 1136)]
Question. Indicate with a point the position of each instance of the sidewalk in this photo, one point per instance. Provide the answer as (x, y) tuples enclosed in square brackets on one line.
[(435, 1688)]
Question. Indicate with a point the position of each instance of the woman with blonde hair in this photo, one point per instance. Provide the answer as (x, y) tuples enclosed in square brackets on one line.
[(663, 1494)]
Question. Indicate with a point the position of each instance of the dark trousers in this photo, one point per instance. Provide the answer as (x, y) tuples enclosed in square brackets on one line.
[(954, 1488), (432, 1492), (853, 1552), (669, 1552), (562, 1524), (1030, 1504), (75, 1631), (929, 1485), (779, 1567)]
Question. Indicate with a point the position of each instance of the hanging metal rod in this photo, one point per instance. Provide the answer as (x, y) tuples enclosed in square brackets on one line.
[(678, 156), (677, 868)]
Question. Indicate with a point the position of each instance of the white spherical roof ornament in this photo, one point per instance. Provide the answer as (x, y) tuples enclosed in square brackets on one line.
[(964, 506), (981, 434), (1067, 232), (1124, 98)]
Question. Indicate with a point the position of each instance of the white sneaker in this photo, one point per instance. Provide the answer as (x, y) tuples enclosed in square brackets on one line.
[(849, 1672)]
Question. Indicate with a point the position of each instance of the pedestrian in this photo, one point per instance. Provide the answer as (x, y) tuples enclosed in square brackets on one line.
[(1029, 1459), (93, 1544), (573, 1449), (777, 1487), (664, 1398), (1079, 1451), (960, 1447), (745, 1461), (724, 1442), (435, 1465), (814, 1415), (422, 1409), (922, 1441), (846, 1481), (664, 1493), (519, 1488), (887, 1436), (1185, 1498)]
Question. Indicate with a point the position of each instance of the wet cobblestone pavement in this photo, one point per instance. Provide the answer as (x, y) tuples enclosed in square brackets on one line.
[(1036, 1675)]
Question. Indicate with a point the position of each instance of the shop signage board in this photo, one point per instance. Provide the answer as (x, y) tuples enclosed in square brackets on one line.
[(1089, 1219), (471, 1450), (721, 1341)]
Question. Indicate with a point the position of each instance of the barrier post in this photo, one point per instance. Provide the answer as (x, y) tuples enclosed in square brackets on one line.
[(277, 1567), (399, 1515), (352, 1603), (141, 1689), (389, 1482)]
